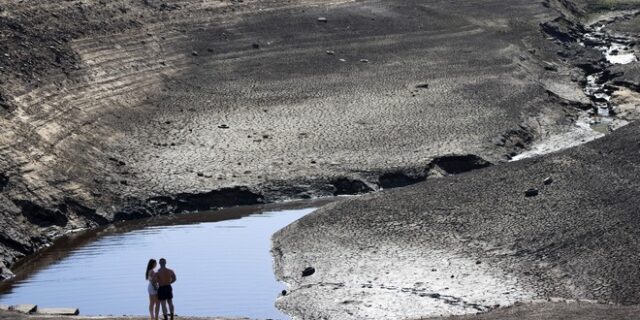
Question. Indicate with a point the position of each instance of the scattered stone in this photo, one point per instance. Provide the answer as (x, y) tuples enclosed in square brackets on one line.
[(330, 52), (548, 181), (223, 126), (499, 141), (194, 53), (322, 19), (422, 86), (308, 271), (364, 60), (119, 163), (24, 308), (350, 186), (456, 164), (478, 262), (59, 311), (200, 174), (531, 192), (255, 45), (599, 99), (550, 67), (342, 60), (284, 292)]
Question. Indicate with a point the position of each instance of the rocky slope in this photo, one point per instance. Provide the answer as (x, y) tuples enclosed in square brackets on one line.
[(475, 241), (119, 110), (562, 226)]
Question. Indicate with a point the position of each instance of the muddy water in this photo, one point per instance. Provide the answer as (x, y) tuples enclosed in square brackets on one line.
[(222, 260)]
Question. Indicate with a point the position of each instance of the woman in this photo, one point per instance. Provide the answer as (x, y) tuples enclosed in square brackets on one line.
[(154, 304)]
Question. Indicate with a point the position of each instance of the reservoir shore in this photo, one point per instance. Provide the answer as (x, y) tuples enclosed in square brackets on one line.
[(116, 111)]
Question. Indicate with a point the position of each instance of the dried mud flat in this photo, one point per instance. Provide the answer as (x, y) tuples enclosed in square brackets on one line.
[(120, 110), (123, 110), (474, 242)]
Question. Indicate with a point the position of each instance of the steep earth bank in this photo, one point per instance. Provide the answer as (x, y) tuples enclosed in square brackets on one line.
[(119, 110), (483, 240), (475, 241)]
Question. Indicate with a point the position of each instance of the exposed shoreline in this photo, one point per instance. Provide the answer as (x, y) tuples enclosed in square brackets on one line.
[(56, 208), (526, 311), (414, 246), (118, 180)]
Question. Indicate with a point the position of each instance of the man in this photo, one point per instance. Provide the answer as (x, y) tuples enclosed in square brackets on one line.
[(165, 277)]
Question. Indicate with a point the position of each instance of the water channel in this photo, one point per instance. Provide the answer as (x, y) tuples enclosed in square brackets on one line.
[(222, 260), (601, 119)]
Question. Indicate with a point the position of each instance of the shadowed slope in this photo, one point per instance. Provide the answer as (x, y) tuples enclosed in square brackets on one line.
[(467, 243)]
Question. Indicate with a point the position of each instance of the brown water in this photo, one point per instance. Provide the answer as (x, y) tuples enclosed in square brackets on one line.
[(222, 260)]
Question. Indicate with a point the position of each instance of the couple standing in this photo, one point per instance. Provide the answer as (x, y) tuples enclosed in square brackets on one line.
[(159, 288)]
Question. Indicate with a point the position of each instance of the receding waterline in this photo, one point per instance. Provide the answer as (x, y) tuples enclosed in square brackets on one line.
[(224, 268)]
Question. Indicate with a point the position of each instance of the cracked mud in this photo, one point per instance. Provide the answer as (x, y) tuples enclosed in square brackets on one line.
[(121, 110)]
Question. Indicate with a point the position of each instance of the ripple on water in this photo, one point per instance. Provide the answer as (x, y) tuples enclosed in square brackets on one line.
[(224, 268)]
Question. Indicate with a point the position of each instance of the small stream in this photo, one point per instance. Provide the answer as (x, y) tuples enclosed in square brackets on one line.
[(601, 119), (222, 260), (617, 49)]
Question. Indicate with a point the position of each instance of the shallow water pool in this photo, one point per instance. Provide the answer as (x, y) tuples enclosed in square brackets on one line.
[(224, 268)]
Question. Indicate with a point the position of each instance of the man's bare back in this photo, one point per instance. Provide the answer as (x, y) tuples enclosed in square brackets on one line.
[(165, 277)]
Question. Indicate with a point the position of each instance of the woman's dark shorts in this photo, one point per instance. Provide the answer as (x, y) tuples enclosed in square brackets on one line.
[(165, 293)]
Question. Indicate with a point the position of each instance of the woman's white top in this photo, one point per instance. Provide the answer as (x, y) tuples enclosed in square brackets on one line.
[(150, 287)]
